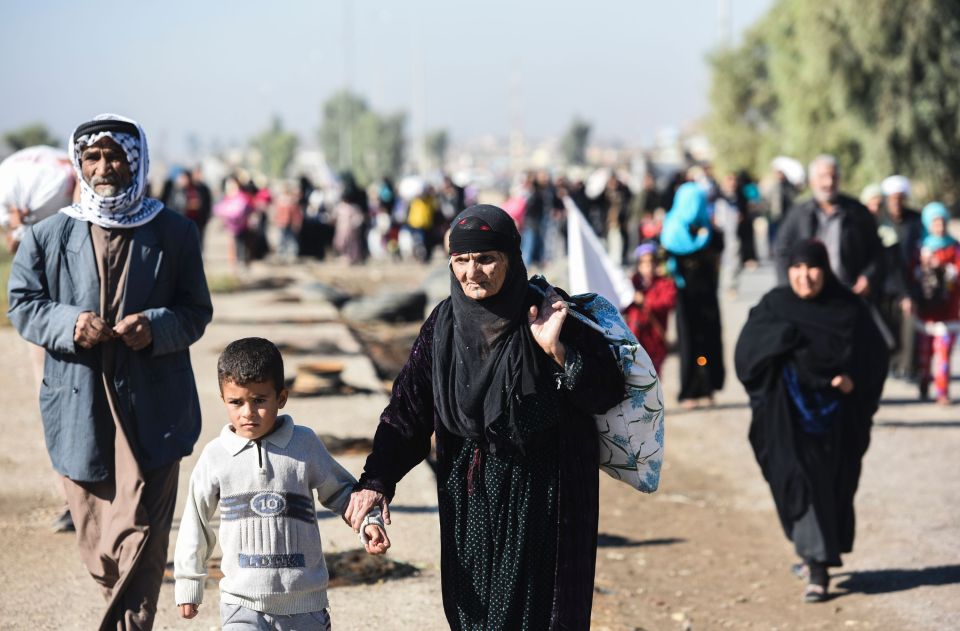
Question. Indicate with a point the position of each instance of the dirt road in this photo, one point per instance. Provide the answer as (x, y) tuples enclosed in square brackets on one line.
[(705, 552)]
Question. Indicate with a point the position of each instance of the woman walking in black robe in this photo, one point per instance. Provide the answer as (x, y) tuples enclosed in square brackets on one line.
[(507, 383), (813, 363), (691, 243)]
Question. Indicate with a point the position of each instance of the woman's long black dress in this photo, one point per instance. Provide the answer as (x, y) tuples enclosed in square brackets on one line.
[(518, 531), (699, 334)]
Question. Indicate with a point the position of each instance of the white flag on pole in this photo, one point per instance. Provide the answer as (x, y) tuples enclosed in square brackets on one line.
[(591, 270)]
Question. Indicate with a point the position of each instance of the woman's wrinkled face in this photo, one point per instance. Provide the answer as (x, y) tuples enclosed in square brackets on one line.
[(480, 274), (806, 282)]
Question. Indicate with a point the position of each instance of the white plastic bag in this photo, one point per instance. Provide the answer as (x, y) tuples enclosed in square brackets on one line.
[(38, 180)]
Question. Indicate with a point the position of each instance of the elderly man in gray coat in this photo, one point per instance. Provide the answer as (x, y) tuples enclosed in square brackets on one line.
[(113, 288)]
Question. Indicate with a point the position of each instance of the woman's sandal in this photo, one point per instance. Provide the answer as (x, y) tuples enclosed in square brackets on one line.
[(814, 593)]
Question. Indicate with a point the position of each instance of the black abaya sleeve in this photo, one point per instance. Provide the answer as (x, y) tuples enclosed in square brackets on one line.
[(764, 340), (872, 362), (403, 436), (869, 373), (765, 344)]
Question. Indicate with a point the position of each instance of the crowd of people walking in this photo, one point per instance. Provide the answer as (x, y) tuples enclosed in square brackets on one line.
[(502, 382), (698, 233)]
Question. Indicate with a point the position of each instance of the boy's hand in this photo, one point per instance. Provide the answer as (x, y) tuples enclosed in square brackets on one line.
[(377, 540), (189, 610)]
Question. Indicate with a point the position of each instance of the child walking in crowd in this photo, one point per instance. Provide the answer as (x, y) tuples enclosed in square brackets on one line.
[(261, 472), (654, 298), (235, 209), (939, 307)]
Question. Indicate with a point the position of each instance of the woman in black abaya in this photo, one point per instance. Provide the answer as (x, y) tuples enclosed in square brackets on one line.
[(813, 362), (692, 246), (507, 384)]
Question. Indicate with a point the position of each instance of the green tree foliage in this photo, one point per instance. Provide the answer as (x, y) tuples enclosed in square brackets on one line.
[(573, 145), (354, 137), (276, 147), (29, 136), (436, 144), (877, 84)]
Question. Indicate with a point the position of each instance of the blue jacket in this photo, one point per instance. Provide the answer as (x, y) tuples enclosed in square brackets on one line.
[(54, 279)]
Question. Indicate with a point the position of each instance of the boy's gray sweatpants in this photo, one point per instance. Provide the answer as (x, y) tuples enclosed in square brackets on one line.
[(237, 618)]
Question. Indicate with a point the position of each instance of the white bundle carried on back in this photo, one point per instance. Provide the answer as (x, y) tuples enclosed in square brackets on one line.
[(38, 180)]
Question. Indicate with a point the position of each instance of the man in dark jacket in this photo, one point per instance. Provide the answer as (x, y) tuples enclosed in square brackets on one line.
[(843, 224), (907, 228)]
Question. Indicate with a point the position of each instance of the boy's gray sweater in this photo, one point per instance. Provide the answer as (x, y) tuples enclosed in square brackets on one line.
[(272, 556)]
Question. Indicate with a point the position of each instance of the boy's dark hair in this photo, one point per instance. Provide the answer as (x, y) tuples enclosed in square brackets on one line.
[(251, 359)]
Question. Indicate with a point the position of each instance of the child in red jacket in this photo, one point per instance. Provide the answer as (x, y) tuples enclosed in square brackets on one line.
[(939, 303), (654, 298)]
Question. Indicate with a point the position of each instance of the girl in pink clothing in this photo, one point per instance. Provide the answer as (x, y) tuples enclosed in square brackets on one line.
[(234, 210)]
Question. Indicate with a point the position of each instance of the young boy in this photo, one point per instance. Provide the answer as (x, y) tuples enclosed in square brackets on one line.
[(261, 472)]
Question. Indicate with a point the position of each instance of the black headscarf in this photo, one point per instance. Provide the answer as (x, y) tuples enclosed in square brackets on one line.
[(484, 356), (826, 322), (812, 253)]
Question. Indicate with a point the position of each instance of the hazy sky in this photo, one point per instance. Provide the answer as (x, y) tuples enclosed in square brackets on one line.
[(220, 70)]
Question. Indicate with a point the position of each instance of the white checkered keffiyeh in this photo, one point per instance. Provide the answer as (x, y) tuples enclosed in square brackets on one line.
[(128, 209)]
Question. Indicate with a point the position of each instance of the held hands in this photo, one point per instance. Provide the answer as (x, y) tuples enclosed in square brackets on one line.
[(377, 541), (188, 610), (360, 504), (843, 383), (545, 324)]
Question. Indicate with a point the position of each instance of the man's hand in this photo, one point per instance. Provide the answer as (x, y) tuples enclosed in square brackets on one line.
[(91, 329), (15, 217), (188, 610), (360, 504), (861, 287), (377, 540), (135, 331), (843, 383), (906, 305)]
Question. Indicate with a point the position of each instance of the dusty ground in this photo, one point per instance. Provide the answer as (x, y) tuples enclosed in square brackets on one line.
[(705, 552)]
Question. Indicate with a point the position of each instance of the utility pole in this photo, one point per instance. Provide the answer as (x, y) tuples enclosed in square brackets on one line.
[(419, 100), (517, 144), (723, 24), (346, 130)]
